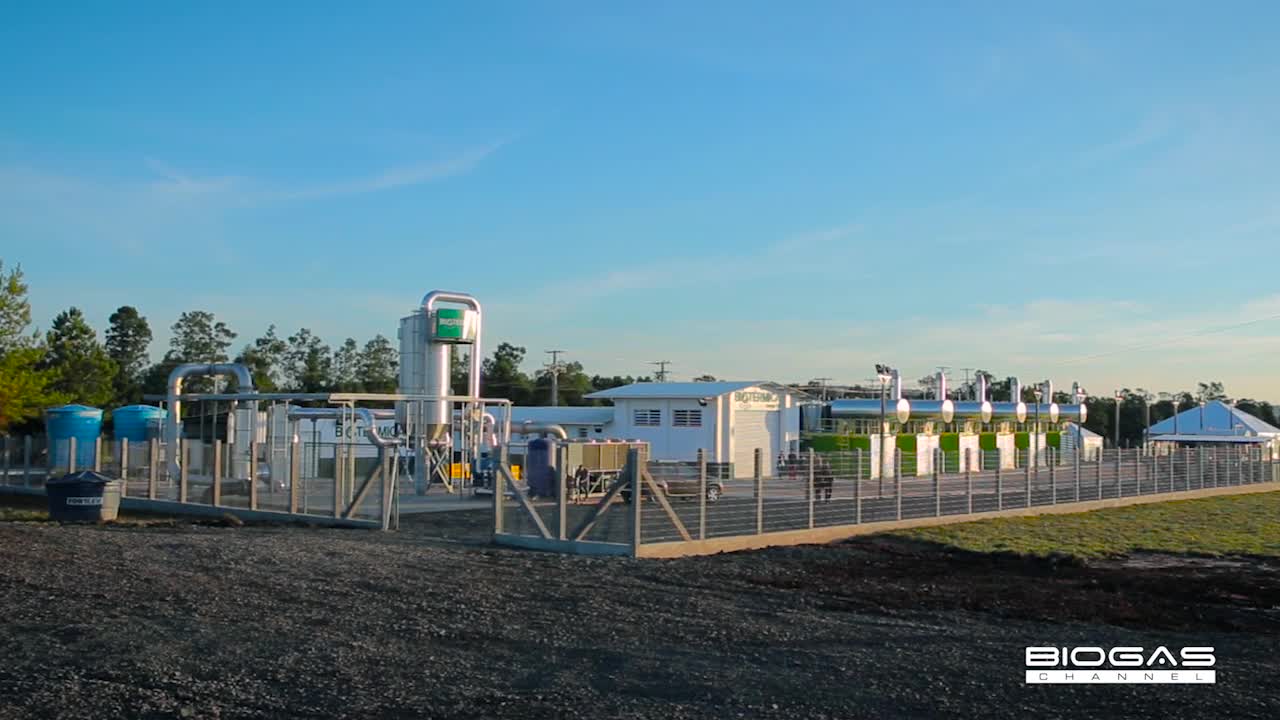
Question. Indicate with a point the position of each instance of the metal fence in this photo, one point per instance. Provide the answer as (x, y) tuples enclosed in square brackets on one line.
[(271, 479), (685, 504)]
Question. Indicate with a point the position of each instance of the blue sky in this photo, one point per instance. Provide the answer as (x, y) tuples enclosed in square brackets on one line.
[(1085, 193)]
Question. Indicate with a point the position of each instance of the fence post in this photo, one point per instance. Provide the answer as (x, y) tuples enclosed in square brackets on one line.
[(153, 467), (253, 475), (562, 499), (8, 452), (937, 482), (1053, 474), (857, 488), (1173, 467), (758, 478), (184, 470), (897, 479), (71, 456), (216, 495), (999, 483), (124, 467), (810, 488), (1200, 465), (1026, 472), (295, 473), (1098, 472), (97, 454), (968, 477), (1076, 462), (1155, 474), (26, 460), (702, 494), (1119, 472), (637, 498)]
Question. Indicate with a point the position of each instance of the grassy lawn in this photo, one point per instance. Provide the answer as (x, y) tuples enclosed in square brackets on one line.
[(1235, 525)]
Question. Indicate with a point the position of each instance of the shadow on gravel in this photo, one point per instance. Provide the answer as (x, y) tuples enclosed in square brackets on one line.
[(1148, 590)]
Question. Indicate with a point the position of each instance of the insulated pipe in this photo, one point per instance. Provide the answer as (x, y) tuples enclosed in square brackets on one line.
[(899, 409), (895, 385), (173, 422), (940, 386), (1015, 390), (528, 427), (966, 410), (981, 388), (429, 302)]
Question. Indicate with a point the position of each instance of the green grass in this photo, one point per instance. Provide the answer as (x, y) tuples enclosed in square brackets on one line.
[(1234, 525)]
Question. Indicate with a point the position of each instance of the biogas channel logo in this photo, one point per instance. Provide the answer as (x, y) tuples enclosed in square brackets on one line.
[(1120, 665)]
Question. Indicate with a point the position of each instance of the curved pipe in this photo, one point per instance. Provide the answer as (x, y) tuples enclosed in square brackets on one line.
[(943, 410), (173, 423), (529, 427), (434, 297)]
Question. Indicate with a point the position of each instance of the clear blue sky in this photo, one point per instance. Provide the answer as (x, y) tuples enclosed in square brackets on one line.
[(746, 189)]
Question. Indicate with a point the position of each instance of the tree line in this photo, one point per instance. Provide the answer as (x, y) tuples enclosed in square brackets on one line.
[(69, 364)]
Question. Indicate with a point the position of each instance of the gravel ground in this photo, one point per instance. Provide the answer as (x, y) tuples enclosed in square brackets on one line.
[(198, 621)]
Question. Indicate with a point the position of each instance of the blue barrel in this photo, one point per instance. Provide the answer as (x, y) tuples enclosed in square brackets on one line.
[(73, 421), (138, 423), (540, 474)]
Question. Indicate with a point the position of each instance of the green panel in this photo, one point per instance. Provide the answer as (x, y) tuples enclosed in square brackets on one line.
[(860, 442), (949, 442), (1053, 440), (906, 443), (1022, 440), (987, 442), (453, 325), (822, 443)]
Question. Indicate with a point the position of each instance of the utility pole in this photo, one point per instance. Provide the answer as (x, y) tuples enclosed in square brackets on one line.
[(661, 374), (969, 388), (554, 368), (822, 382)]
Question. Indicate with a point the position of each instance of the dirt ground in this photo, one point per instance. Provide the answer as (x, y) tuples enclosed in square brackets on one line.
[(180, 620)]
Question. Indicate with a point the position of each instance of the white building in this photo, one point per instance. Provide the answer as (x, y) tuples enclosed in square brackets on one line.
[(727, 420)]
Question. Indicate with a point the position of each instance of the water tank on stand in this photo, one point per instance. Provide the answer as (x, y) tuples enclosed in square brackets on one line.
[(540, 472), (73, 421)]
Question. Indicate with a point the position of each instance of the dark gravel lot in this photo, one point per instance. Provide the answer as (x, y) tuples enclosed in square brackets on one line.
[(197, 621)]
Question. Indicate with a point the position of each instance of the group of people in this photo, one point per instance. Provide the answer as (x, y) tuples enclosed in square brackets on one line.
[(796, 467)]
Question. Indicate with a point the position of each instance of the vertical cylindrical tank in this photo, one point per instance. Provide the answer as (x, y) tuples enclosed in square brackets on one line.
[(539, 462), (73, 421), (137, 423)]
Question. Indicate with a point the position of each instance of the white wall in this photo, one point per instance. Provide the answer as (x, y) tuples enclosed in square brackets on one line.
[(667, 442)]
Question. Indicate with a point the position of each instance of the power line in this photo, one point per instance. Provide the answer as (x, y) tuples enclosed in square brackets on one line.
[(661, 374)]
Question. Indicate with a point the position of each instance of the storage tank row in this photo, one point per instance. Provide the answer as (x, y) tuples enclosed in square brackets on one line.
[(896, 408), (135, 423)]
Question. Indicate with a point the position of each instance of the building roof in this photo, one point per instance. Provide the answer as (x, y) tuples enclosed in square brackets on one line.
[(685, 389), (1082, 432), (1220, 419), (560, 415), (1209, 439)]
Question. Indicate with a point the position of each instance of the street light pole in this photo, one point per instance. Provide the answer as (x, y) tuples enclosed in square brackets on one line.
[(1035, 454), (1119, 397)]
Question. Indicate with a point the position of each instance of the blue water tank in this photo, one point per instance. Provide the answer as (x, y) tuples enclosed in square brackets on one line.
[(539, 471), (138, 423), (73, 421)]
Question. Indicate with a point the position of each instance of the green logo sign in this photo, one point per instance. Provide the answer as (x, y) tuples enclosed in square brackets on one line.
[(454, 325)]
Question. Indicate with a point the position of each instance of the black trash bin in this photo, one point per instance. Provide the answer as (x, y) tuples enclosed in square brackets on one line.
[(83, 497)]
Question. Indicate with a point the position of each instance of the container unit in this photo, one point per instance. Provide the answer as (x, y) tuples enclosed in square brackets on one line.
[(73, 421)]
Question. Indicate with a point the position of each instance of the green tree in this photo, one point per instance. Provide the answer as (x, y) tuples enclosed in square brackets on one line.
[(127, 338), (1210, 391), (310, 363), (502, 377), (379, 366), (198, 337), (82, 370), (266, 359), (346, 367), (572, 386), (15, 310)]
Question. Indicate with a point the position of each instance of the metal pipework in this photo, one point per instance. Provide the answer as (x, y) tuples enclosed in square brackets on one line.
[(899, 409), (1073, 413), (439, 354), (943, 410), (369, 417), (1016, 411), (173, 422), (895, 385), (974, 410), (529, 427)]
